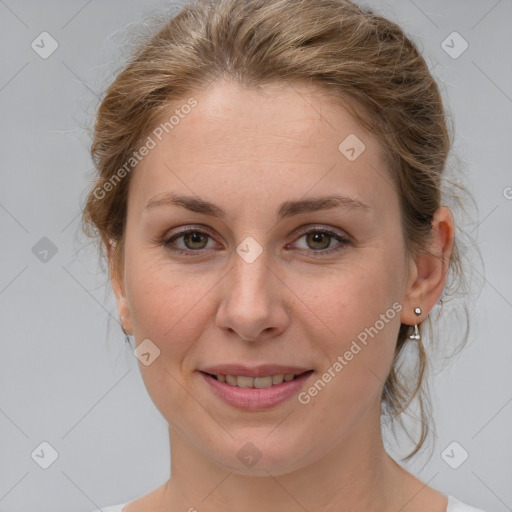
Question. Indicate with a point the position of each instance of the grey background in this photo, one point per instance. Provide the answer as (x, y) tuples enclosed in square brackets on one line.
[(66, 375)]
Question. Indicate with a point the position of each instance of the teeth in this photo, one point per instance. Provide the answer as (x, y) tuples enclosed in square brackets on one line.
[(255, 382), (232, 381), (245, 382), (277, 379), (262, 382)]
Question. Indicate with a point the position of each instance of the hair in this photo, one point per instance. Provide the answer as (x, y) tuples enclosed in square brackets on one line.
[(363, 60)]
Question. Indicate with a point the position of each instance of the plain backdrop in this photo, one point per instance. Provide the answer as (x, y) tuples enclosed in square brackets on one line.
[(68, 379)]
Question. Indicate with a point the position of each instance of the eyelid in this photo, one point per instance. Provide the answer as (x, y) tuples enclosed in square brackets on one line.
[(320, 227), (183, 230)]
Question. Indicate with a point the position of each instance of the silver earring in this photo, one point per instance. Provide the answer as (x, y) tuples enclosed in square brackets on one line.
[(416, 335), (126, 335)]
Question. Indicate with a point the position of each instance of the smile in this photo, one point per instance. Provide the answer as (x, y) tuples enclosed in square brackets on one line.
[(243, 381), (255, 393)]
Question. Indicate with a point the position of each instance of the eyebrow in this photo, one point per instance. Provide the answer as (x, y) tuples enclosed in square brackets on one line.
[(286, 209)]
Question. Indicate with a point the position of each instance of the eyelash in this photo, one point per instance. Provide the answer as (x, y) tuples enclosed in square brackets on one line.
[(343, 241)]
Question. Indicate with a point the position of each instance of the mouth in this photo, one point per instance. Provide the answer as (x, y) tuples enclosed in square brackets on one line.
[(255, 393)]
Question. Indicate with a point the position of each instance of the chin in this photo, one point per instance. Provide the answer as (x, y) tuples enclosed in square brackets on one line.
[(260, 457)]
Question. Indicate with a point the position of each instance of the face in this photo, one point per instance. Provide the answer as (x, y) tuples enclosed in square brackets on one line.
[(268, 274)]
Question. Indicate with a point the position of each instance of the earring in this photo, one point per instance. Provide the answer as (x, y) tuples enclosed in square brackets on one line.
[(416, 335), (126, 335)]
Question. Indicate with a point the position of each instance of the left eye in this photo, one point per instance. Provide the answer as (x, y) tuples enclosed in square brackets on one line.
[(320, 240)]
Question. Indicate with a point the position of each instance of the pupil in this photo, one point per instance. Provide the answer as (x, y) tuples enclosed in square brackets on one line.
[(195, 236), (317, 239)]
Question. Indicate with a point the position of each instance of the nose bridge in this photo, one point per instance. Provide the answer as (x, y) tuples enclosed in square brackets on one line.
[(248, 305), (250, 272)]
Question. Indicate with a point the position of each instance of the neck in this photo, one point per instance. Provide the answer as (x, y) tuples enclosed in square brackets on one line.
[(355, 475)]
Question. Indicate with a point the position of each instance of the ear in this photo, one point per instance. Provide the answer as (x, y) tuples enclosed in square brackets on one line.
[(429, 269), (116, 271)]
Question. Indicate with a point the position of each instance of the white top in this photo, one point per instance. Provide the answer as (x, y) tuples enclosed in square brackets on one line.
[(454, 505)]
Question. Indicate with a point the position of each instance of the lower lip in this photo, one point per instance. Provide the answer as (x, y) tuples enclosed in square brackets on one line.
[(253, 398)]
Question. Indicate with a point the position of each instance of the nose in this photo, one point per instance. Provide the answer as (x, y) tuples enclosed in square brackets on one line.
[(253, 301)]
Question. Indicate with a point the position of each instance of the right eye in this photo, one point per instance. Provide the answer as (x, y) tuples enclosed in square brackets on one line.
[(193, 240)]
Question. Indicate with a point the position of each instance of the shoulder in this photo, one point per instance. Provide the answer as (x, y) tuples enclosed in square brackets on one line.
[(455, 505), (112, 508)]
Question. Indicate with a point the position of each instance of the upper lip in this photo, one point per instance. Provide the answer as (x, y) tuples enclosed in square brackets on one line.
[(254, 371)]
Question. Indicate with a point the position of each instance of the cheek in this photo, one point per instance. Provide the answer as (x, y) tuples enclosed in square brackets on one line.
[(157, 293), (158, 301), (341, 303), (169, 303), (355, 325), (166, 308)]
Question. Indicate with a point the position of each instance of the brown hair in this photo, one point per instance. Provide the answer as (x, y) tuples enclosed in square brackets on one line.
[(348, 51)]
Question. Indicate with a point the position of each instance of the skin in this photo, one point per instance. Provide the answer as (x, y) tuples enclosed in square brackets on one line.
[(248, 151)]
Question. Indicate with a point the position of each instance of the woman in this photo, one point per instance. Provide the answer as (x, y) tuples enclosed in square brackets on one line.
[(269, 200)]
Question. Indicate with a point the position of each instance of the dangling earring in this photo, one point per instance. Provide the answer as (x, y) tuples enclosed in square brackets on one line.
[(126, 335), (416, 335)]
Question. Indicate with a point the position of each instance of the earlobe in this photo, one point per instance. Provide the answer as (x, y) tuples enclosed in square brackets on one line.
[(118, 287), (430, 268)]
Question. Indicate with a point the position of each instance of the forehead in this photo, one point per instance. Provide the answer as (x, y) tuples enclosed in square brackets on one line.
[(282, 138), (276, 114)]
